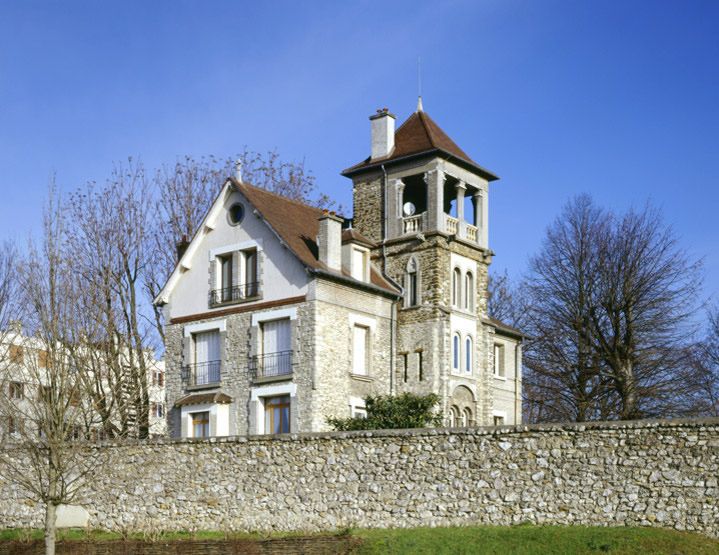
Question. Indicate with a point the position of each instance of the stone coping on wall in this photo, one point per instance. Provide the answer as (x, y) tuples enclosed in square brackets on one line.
[(428, 432)]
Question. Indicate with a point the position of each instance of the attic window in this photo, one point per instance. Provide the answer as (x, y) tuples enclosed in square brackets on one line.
[(236, 213)]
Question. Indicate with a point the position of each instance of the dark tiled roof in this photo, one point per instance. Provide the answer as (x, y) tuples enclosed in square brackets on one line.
[(297, 225), (354, 236), (204, 399), (419, 134), (506, 328)]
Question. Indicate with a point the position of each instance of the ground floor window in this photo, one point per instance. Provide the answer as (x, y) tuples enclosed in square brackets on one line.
[(201, 424), (277, 415), (499, 420)]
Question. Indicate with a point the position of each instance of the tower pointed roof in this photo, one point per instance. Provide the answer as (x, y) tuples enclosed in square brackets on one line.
[(418, 136)]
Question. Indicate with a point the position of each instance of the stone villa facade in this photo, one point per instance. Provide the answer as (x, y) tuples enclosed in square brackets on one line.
[(280, 315)]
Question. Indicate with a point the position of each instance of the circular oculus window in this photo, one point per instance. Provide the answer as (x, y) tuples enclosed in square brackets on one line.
[(236, 213)]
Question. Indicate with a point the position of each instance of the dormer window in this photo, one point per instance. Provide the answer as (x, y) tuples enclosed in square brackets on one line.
[(360, 264)]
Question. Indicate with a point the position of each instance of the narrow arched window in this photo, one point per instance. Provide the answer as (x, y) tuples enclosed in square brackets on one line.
[(412, 283), (463, 419), (468, 417), (452, 418), (468, 291), (468, 355), (456, 287), (455, 352)]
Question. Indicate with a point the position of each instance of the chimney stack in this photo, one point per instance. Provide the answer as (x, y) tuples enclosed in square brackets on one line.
[(330, 240), (382, 124)]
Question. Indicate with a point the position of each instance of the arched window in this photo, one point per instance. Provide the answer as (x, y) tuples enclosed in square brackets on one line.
[(456, 287), (468, 417), (453, 417), (412, 283), (468, 291), (455, 352), (463, 419), (468, 355)]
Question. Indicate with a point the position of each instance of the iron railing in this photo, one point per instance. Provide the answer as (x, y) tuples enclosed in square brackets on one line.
[(234, 293), (271, 364), (203, 373)]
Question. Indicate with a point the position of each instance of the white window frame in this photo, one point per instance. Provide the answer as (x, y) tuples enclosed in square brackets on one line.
[(499, 357), (468, 355), (456, 352)]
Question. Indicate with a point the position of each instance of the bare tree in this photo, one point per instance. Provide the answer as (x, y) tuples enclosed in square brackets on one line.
[(43, 411), (506, 301), (609, 315), (563, 371), (646, 293)]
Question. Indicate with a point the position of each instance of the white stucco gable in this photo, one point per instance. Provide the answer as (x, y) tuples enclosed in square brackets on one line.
[(280, 273)]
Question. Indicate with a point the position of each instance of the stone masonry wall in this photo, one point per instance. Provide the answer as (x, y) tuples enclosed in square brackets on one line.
[(660, 473)]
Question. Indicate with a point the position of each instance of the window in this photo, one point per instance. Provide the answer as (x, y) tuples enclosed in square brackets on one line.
[(467, 415), (277, 415), (43, 359), (200, 424), (358, 412), (17, 390), (276, 356), (463, 419), (360, 350), (11, 425), (454, 419), (159, 378), (468, 355), (158, 410), (44, 393), (17, 355), (455, 352), (236, 213), (411, 285), (420, 365), (206, 368), (359, 264), (404, 366), (468, 291), (499, 420), (456, 287), (249, 258), (225, 277), (499, 360)]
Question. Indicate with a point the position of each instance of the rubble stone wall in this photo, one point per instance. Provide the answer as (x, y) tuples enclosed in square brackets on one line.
[(644, 473)]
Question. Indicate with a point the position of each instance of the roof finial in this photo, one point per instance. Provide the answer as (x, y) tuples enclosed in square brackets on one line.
[(419, 84), (238, 170)]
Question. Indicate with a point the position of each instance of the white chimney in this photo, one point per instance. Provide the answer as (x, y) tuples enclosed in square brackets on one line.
[(330, 240), (382, 133)]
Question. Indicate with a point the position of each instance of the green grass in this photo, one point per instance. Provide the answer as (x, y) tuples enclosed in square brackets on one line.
[(530, 540), (519, 540)]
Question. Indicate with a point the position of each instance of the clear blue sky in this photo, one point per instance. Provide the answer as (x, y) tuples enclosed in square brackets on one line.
[(620, 99)]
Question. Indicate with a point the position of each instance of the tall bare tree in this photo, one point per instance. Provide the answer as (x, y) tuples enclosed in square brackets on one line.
[(611, 300), (564, 373)]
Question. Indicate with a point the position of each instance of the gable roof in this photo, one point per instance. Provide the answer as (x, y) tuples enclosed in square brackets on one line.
[(504, 329), (297, 225), (420, 135)]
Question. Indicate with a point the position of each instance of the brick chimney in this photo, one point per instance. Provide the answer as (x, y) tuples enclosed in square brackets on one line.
[(182, 247), (382, 125), (329, 240)]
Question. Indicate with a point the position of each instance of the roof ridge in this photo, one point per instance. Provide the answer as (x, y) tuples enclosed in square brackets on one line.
[(274, 194)]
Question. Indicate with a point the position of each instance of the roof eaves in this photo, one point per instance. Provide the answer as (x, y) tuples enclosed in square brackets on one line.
[(354, 282)]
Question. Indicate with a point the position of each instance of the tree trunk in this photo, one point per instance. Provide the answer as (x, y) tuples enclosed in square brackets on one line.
[(50, 517), (627, 392)]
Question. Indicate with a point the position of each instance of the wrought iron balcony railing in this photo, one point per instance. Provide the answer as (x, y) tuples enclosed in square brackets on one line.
[(235, 293), (202, 373), (271, 364)]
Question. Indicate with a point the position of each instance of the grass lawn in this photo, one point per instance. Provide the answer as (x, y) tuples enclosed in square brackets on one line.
[(519, 540), (544, 540)]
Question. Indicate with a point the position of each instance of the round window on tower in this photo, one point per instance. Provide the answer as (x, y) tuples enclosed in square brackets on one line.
[(236, 213)]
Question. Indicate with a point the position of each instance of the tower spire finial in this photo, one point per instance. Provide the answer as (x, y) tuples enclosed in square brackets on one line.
[(419, 84)]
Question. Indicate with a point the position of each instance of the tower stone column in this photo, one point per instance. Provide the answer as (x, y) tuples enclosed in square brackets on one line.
[(435, 198)]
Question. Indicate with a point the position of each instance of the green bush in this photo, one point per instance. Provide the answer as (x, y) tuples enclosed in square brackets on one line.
[(392, 412)]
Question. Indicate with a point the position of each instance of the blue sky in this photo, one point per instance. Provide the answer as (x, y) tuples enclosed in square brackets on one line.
[(619, 99)]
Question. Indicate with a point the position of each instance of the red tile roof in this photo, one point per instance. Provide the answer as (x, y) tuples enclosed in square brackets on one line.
[(418, 135), (297, 225)]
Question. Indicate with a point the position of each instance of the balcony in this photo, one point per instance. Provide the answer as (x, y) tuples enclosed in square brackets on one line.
[(461, 229), (413, 224), (271, 365), (234, 294), (202, 373)]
